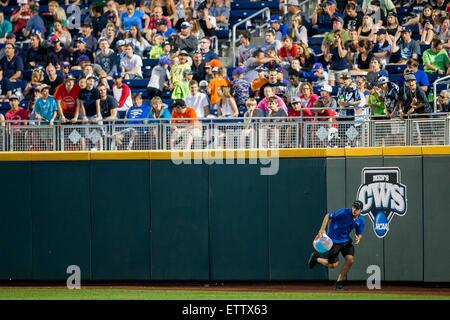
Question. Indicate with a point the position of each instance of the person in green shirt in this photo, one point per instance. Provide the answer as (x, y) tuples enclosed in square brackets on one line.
[(436, 60), (157, 51), (5, 27), (181, 89), (338, 25), (376, 103)]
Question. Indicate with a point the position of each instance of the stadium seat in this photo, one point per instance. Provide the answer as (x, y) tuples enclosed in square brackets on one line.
[(395, 68), (395, 77), (137, 84), (315, 41), (18, 84), (432, 77), (150, 62), (239, 5)]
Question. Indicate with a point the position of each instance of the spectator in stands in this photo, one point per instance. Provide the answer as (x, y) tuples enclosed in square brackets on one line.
[(20, 16), (181, 88), (36, 55), (270, 41), (412, 98), (45, 108), (15, 112), (337, 55), (304, 57), (325, 96), (352, 17), (367, 29), (296, 109), (259, 82), (320, 74), (55, 12), (97, 19), (207, 24), (5, 27), (207, 54), (323, 14), (299, 33), (37, 79), (112, 34), (11, 39), (133, 17), (444, 33), (158, 111), (264, 103), (338, 29), (159, 79), (90, 101), (293, 86), (131, 64), (221, 11), (108, 105), (289, 50), (188, 17), (307, 95), (361, 110), (392, 27), (240, 87), (443, 103), (197, 100), (293, 13), (12, 65), (382, 48), (215, 83), (435, 59), (120, 49), (177, 69), (168, 7), (106, 58), (154, 18), (57, 53), (279, 87), (276, 109), (138, 110), (183, 114), (5, 87), (407, 47), (361, 60), (375, 72), (62, 33), (157, 50), (180, 8), (81, 50), (52, 79), (163, 29), (89, 39), (246, 48), (67, 98), (198, 66), (349, 98), (122, 94), (226, 106), (389, 93), (133, 36), (35, 24), (280, 29), (426, 25), (184, 40)]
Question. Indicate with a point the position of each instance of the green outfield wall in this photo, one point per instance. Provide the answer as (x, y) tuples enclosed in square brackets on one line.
[(137, 216)]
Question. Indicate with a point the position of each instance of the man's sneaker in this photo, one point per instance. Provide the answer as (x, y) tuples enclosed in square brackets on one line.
[(313, 260), (340, 286)]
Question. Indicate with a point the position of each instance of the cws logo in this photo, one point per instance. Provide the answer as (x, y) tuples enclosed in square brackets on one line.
[(383, 197)]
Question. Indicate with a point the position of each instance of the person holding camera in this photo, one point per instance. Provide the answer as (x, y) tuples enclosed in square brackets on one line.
[(336, 55), (323, 14)]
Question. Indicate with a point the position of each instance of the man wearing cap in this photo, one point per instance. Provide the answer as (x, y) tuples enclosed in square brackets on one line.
[(197, 100), (11, 39), (20, 16), (280, 29), (181, 88), (221, 12), (90, 41), (406, 47), (90, 100), (323, 14), (45, 108), (106, 58), (184, 40), (57, 53), (338, 225), (435, 59), (67, 97), (81, 50), (325, 96), (240, 87), (412, 66), (36, 55), (155, 17), (293, 9), (320, 73), (35, 22), (16, 112), (338, 28), (122, 94), (5, 27), (5, 86), (382, 48), (349, 98), (412, 99), (12, 65), (296, 109), (163, 29)]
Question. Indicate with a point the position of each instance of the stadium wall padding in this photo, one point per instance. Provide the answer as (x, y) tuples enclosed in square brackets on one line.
[(143, 219)]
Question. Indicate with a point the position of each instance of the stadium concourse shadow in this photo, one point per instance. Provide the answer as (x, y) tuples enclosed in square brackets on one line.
[(143, 219)]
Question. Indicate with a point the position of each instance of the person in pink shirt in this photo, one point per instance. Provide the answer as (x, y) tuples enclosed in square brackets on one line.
[(264, 103), (307, 96)]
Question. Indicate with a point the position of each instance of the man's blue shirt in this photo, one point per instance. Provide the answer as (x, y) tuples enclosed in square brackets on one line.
[(341, 225)]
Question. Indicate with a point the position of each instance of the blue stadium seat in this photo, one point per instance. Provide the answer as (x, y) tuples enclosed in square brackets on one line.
[(314, 41), (150, 62), (402, 11), (432, 77), (137, 84), (254, 5), (18, 84), (242, 13), (395, 77), (424, 47), (169, 102), (395, 68)]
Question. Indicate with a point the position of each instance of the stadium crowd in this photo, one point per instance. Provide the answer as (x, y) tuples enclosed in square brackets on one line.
[(339, 63)]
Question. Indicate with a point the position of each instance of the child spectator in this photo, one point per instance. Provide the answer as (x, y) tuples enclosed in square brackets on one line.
[(181, 89)]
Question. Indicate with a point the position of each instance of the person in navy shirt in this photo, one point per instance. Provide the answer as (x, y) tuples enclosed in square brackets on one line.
[(340, 224)]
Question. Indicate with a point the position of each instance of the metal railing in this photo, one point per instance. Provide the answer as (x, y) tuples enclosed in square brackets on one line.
[(443, 79), (228, 133), (214, 44), (263, 12)]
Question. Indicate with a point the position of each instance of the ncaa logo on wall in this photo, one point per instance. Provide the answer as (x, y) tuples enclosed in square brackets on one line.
[(383, 196)]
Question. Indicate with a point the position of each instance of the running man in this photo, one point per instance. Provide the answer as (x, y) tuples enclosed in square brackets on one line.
[(341, 223)]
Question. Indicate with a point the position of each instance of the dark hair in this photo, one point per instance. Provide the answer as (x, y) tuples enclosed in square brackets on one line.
[(412, 62), (193, 82), (357, 204), (435, 42), (246, 34)]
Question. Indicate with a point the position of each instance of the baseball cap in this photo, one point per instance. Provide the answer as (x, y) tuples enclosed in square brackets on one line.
[(215, 69), (358, 204), (381, 31), (117, 75), (346, 76), (214, 63), (327, 88), (238, 71), (164, 60), (65, 64), (179, 103), (13, 96), (295, 100), (34, 7), (262, 68), (274, 19), (81, 40), (383, 80), (69, 77), (410, 76), (10, 35), (183, 53), (92, 77), (203, 83), (186, 25), (120, 43), (187, 72), (165, 43), (83, 58), (102, 39), (43, 86), (161, 22), (293, 3), (406, 29), (337, 18), (54, 38), (317, 66), (330, 2)]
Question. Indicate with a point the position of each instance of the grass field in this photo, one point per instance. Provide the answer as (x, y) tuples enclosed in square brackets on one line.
[(131, 294)]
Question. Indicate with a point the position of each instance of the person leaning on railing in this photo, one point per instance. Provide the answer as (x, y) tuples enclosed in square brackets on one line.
[(45, 107), (443, 102), (189, 127)]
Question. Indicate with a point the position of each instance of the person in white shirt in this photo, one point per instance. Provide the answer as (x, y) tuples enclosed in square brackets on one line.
[(197, 100), (122, 93), (131, 64)]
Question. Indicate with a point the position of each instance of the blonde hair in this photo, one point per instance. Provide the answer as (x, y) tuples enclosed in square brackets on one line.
[(250, 102), (306, 84)]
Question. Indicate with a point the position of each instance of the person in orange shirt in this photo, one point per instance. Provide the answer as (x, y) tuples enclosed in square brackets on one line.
[(189, 127), (216, 82), (259, 82)]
